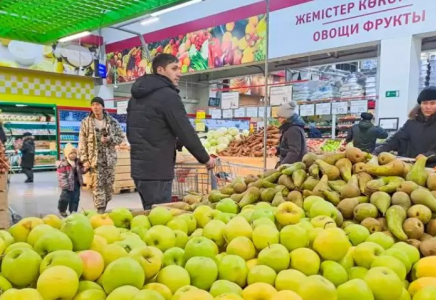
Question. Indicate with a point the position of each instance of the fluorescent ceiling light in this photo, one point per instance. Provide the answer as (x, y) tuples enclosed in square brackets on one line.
[(149, 20), (74, 36), (172, 8), (20, 105)]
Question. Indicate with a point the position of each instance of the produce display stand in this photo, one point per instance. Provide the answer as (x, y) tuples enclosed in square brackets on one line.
[(4, 204)]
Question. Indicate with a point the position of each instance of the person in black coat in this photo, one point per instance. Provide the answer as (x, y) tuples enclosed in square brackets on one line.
[(157, 124), (3, 137), (292, 145), (28, 156), (365, 134), (418, 134)]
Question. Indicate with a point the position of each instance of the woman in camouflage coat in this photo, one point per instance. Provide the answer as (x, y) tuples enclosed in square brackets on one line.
[(99, 134)]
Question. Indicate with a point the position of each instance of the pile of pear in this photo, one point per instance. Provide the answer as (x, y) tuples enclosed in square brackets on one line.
[(382, 193)]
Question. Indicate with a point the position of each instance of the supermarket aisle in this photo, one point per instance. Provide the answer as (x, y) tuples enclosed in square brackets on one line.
[(41, 197)]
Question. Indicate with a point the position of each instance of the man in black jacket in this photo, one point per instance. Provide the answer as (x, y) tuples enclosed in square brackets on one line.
[(364, 134), (419, 132), (156, 124)]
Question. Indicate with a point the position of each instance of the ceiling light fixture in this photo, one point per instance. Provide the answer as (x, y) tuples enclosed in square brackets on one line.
[(149, 20), (172, 8), (74, 36)]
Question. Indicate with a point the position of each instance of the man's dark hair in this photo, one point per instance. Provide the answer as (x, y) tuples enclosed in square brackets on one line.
[(367, 116), (163, 60)]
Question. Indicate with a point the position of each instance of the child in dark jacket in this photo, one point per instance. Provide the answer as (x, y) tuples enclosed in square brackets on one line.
[(70, 176)]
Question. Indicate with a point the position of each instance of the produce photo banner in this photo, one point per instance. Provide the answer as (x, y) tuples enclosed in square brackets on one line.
[(230, 44)]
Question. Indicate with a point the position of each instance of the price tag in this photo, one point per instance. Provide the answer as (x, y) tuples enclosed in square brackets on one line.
[(230, 100), (359, 106), (122, 107), (201, 114), (252, 112), (307, 110), (323, 109), (340, 108), (227, 113), (215, 113), (200, 127), (262, 112), (280, 95), (239, 113)]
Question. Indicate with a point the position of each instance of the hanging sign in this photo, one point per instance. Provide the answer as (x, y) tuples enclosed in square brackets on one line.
[(215, 113), (122, 107), (307, 110), (358, 106), (227, 114), (340, 108), (230, 100), (239, 113), (252, 112), (280, 95), (323, 109)]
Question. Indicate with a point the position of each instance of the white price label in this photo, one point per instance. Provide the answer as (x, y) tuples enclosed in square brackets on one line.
[(252, 112), (227, 113), (122, 107), (358, 107), (307, 110), (262, 112), (280, 95), (230, 100), (323, 109), (215, 113), (340, 108), (239, 113)]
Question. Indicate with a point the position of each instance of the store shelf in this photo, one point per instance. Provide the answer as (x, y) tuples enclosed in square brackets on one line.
[(65, 142), (37, 150), (70, 132), (31, 123), (20, 134)]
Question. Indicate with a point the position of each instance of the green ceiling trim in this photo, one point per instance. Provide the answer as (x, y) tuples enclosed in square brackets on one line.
[(44, 21)]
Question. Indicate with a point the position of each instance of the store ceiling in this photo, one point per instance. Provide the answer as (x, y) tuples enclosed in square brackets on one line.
[(43, 21)]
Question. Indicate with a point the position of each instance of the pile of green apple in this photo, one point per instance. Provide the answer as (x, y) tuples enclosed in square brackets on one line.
[(260, 253)]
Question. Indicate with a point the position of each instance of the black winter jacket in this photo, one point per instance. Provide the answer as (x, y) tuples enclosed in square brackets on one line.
[(156, 119), (3, 137), (419, 134), (28, 153), (292, 141), (364, 135)]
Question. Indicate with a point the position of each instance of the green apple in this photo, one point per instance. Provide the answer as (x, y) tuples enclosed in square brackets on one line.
[(88, 285), (17, 246), (357, 234), (93, 264), (265, 235), (181, 239), (203, 272), (126, 292), (149, 258), (21, 267), (79, 229), (197, 233), (323, 208), (174, 277), (289, 213), (261, 273), (161, 289), (123, 271), (238, 226), (174, 256), (312, 234), (53, 241), (140, 221), (294, 237), (24, 294), (316, 287), (100, 220), (4, 284), (411, 251), (178, 224), (20, 231), (289, 280), (334, 272), (203, 215), (309, 201), (139, 231), (89, 213), (129, 235), (365, 253), (62, 258), (109, 232), (305, 223), (427, 293), (392, 263), (112, 252), (91, 295), (233, 268), (357, 273), (355, 289), (331, 244), (382, 239), (248, 207), (200, 246), (263, 213), (263, 221), (160, 237), (214, 231), (148, 295), (159, 216), (402, 256), (38, 232), (259, 290), (228, 206), (405, 295), (130, 243), (384, 283), (275, 256), (190, 221), (243, 247), (306, 261), (221, 287), (247, 214), (323, 222), (121, 217), (348, 261), (183, 290), (58, 282)]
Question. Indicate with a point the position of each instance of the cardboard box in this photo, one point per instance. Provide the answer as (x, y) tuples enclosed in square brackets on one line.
[(3, 182), (4, 204), (123, 154), (123, 162)]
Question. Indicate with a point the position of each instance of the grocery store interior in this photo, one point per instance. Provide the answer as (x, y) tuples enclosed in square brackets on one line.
[(343, 221)]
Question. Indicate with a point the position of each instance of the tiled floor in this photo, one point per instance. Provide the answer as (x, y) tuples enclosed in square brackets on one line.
[(40, 198)]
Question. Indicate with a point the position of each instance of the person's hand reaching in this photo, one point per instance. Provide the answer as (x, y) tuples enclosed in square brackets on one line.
[(211, 163)]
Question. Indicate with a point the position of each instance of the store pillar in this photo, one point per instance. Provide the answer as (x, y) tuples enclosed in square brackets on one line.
[(399, 63)]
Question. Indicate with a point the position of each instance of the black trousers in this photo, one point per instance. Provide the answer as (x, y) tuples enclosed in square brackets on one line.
[(154, 192), (70, 199), (28, 172)]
